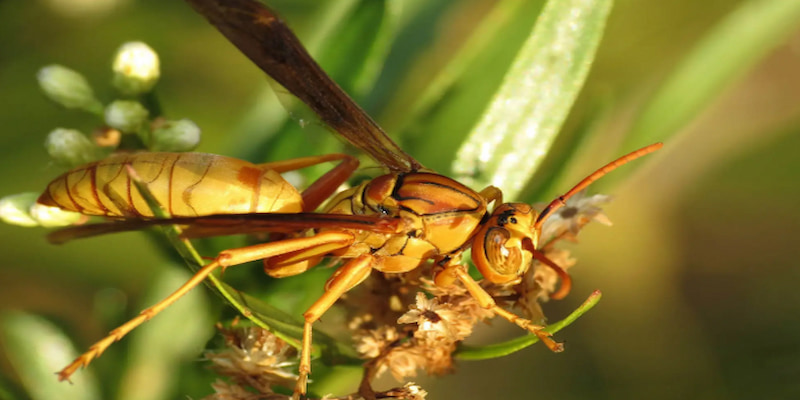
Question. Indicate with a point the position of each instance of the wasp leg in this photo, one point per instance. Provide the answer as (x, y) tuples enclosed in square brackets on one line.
[(492, 193), (344, 279), (566, 280), (326, 185), (296, 262), (486, 301), (225, 259)]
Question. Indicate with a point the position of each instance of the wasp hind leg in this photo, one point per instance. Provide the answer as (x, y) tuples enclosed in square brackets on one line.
[(345, 278), (224, 260), (319, 190)]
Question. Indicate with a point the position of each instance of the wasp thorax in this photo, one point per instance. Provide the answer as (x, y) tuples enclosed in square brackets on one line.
[(378, 195)]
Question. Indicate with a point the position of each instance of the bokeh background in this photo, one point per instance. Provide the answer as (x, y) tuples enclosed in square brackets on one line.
[(699, 273)]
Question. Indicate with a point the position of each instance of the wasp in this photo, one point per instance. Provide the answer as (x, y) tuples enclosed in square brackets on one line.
[(393, 223)]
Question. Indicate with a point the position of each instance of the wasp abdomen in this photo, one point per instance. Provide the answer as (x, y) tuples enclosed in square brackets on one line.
[(185, 184)]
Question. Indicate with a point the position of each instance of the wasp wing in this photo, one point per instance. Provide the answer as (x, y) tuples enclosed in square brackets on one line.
[(261, 35), (233, 224)]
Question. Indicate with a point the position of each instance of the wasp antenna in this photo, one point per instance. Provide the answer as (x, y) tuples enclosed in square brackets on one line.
[(561, 201)]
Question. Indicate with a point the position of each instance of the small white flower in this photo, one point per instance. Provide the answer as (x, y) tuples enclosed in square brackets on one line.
[(50, 217), (434, 320), (136, 68), (371, 343), (414, 391), (14, 209), (23, 210)]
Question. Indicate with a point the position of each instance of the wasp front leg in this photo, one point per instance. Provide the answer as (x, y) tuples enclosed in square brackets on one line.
[(451, 269)]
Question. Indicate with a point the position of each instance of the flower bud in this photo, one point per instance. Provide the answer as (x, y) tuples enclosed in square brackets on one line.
[(71, 148), (181, 135), (136, 68), (23, 210), (48, 216), (15, 209), (126, 115), (68, 88)]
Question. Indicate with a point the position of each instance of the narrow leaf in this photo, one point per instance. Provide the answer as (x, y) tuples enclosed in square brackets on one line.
[(37, 349), (527, 112), (484, 36), (517, 344), (735, 44)]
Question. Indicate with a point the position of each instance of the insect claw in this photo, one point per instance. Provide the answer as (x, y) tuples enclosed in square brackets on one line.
[(546, 339), (300, 387), (67, 372), (63, 376)]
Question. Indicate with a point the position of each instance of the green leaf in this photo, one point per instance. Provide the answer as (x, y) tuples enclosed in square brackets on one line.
[(465, 352), (735, 44), (550, 179), (9, 391), (445, 107), (353, 56), (37, 349), (485, 36), (527, 112)]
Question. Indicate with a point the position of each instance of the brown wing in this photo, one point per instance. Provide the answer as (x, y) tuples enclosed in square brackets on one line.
[(270, 44), (234, 224)]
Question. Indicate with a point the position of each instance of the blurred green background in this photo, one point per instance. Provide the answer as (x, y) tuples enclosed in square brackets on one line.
[(699, 272)]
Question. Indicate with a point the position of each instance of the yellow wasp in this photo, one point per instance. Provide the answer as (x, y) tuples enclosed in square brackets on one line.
[(393, 223)]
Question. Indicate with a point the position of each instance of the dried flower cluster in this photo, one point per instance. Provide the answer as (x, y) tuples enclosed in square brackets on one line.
[(253, 358), (402, 323), (426, 336), (255, 361)]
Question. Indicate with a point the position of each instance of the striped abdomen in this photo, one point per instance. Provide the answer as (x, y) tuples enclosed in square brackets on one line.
[(185, 184)]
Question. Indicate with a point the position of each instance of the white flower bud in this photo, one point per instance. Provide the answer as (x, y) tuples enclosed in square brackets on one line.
[(136, 68), (71, 148), (48, 216), (15, 209), (181, 135), (68, 88), (23, 210), (126, 115)]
